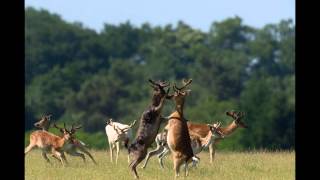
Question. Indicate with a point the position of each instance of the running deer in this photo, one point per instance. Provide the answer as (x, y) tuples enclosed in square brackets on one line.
[(197, 143), (74, 145), (149, 125), (202, 130), (116, 133), (178, 137), (50, 143)]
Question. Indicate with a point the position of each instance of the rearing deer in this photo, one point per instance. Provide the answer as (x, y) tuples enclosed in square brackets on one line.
[(149, 125), (178, 137)]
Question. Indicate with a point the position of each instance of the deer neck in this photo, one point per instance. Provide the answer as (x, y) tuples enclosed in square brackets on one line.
[(156, 100), (62, 141), (179, 108), (230, 128), (46, 128), (205, 142)]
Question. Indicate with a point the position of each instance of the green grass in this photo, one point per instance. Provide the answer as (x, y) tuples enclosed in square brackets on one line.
[(258, 165)]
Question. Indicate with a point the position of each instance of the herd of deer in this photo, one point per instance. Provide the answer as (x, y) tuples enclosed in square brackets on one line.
[(180, 136)]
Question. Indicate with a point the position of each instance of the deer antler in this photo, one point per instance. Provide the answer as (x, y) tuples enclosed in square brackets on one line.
[(48, 116), (159, 84), (185, 84), (242, 114), (54, 125), (127, 128), (133, 123), (218, 125)]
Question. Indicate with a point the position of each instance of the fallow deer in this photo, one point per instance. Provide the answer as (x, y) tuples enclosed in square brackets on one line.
[(74, 145), (202, 130), (149, 125), (178, 137), (50, 143), (197, 143), (44, 122), (116, 133)]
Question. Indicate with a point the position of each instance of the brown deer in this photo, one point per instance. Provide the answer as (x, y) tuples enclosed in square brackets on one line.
[(74, 145), (178, 137), (149, 125), (202, 130), (50, 143)]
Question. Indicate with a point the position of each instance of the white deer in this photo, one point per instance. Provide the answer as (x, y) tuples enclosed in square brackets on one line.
[(116, 133)]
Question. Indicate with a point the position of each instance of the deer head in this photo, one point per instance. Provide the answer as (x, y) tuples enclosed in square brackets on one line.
[(180, 92), (74, 129), (215, 129), (158, 88), (237, 116), (109, 122), (66, 133), (44, 122), (124, 130)]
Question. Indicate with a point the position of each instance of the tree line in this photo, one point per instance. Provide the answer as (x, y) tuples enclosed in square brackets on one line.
[(85, 77)]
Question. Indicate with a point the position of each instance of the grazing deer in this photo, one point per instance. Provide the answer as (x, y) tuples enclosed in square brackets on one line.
[(116, 133), (50, 143), (149, 125), (197, 143), (74, 145), (202, 130), (178, 137)]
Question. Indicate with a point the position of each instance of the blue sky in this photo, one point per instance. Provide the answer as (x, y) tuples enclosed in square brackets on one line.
[(197, 13)]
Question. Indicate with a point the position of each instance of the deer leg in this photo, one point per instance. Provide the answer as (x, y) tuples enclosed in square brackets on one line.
[(195, 161), (111, 149), (59, 155), (212, 151), (118, 149), (87, 153), (29, 148), (160, 104), (186, 169), (56, 157), (134, 165), (176, 166), (64, 158), (158, 150), (75, 153), (162, 155), (44, 155)]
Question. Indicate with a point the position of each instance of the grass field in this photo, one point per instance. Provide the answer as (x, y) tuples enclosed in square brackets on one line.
[(227, 165)]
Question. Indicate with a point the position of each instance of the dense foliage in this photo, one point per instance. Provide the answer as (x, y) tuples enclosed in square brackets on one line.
[(82, 76)]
